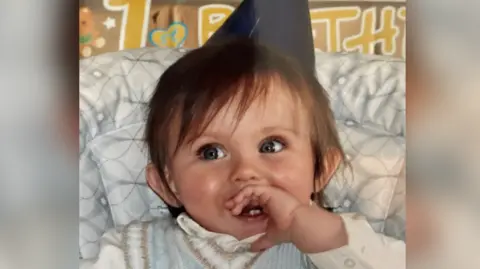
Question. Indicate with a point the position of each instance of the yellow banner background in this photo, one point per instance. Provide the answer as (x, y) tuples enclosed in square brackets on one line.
[(357, 26)]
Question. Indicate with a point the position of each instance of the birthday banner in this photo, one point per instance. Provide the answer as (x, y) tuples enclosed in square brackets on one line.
[(368, 27)]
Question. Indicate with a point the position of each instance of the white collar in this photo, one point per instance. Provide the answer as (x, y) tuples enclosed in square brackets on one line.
[(225, 242)]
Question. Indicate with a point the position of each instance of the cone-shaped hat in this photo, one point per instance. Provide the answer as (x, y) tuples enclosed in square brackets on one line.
[(281, 24)]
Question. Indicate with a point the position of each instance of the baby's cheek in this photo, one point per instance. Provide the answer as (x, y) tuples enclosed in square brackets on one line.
[(279, 164), (293, 174), (289, 165), (199, 186)]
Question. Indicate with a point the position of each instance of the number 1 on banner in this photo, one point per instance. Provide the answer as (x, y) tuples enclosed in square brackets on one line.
[(134, 25)]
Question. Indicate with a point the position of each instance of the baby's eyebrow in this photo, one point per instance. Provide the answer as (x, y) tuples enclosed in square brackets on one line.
[(269, 129)]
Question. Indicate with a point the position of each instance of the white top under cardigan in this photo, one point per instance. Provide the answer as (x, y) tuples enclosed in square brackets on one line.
[(183, 244)]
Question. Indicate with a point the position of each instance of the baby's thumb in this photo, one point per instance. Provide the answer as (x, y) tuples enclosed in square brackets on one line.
[(261, 244)]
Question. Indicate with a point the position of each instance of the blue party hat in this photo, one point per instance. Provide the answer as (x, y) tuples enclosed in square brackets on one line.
[(281, 24)]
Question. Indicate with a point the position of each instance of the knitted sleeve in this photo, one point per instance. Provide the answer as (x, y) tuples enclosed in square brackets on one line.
[(111, 255), (366, 249), (124, 248)]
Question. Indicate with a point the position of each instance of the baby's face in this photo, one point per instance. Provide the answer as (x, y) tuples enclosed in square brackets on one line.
[(270, 145)]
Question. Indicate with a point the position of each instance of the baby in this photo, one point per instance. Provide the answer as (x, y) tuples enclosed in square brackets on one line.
[(242, 142)]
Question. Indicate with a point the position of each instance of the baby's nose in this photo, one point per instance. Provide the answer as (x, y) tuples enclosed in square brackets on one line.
[(247, 171)]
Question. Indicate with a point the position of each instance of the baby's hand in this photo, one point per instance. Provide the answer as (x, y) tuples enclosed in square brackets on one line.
[(310, 228)]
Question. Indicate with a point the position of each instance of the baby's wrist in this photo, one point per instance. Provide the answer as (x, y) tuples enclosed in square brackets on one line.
[(339, 232), (316, 230)]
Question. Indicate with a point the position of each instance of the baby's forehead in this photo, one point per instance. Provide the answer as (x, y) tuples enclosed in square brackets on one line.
[(278, 108), (278, 99)]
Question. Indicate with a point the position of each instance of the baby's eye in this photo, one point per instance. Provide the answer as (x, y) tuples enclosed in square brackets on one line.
[(271, 146), (211, 152)]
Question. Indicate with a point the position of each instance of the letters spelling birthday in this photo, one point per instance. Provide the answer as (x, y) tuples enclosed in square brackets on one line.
[(376, 27)]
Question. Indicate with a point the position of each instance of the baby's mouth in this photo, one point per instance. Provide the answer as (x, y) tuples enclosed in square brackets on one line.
[(252, 211)]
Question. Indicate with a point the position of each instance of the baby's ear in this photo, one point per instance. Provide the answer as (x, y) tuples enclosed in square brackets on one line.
[(163, 187), (331, 161)]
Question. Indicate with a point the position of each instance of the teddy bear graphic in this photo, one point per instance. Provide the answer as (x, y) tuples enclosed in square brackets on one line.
[(89, 36)]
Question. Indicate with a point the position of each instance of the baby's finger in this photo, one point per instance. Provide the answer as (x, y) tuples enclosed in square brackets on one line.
[(237, 209), (245, 192), (247, 195), (255, 194), (254, 201), (262, 194)]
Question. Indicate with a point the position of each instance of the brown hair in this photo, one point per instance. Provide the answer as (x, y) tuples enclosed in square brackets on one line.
[(196, 87)]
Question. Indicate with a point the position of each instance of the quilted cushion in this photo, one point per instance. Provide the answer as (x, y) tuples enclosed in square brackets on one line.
[(367, 96), (367, 89)]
